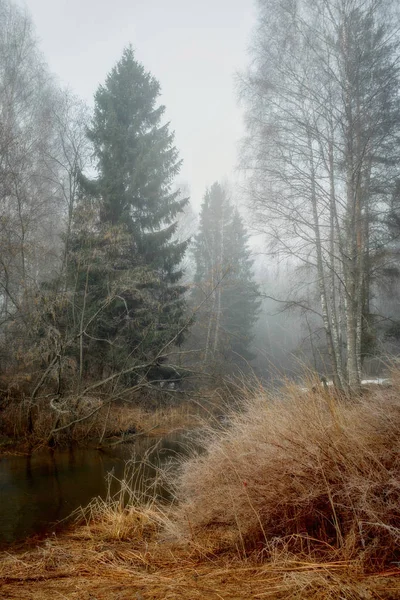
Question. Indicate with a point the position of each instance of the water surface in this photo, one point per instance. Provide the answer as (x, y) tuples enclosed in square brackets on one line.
[(39, 490)]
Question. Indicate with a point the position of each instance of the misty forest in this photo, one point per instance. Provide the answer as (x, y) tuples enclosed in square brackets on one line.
[(269, 313), (113, 288)]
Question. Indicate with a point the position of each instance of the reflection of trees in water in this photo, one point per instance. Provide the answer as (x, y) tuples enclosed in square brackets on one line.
[(58, 504), (28, 470), (45, 491), (40, 489)]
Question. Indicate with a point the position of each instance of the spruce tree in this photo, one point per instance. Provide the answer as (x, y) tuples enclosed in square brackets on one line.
[(224, 284), (128, 274), (241, 295)]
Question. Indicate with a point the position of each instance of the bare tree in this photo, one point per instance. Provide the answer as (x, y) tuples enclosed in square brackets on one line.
[(43, 147), (29, 203), (68, 157), (323, 124)]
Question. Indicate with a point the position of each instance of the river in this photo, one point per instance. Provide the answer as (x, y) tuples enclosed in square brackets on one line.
[(39, 490)]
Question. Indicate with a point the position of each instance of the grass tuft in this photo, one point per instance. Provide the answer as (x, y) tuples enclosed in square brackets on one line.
[(308, 473)]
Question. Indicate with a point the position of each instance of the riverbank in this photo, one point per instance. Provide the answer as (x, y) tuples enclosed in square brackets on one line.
[(297, 497), (138, 563), (110, 426)]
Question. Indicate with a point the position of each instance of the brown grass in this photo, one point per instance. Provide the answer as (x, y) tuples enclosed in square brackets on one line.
[(298, 498), (304, 473), (105, 426), (92, 562)]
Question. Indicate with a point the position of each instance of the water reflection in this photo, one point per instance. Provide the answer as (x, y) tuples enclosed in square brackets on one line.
[(37, 491)]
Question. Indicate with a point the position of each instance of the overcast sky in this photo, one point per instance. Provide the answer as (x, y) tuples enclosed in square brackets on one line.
[(193, 47)]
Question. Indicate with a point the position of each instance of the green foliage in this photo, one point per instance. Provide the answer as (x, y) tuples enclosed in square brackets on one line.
[(240, 293), (124, 264)]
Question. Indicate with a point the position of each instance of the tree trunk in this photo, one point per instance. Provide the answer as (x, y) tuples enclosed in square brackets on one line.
[(320, 270)]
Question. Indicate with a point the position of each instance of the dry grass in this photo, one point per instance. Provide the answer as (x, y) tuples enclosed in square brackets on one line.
[(298, 498), (310, 474), (85, 564), (155, 421), (133, 512), (107, 423)]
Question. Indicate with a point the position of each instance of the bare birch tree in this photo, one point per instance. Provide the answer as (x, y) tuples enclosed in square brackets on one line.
[(29, 207), (67, 159), (323, 124), (43, 146)]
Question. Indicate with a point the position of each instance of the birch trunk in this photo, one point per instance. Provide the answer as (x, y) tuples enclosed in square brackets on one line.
[(352, 208), (351, 279), (335, 308), (320, 269), (363, 259)]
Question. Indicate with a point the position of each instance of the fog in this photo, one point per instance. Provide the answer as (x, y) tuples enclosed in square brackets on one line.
[(199, 188), (193, 49)]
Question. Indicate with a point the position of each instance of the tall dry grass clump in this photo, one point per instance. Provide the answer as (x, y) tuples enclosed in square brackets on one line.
[(299, 473), (132, 512)]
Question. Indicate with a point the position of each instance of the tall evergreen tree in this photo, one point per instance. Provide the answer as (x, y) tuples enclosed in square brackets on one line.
[(126, 264), (241, 301), (223, 281)]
